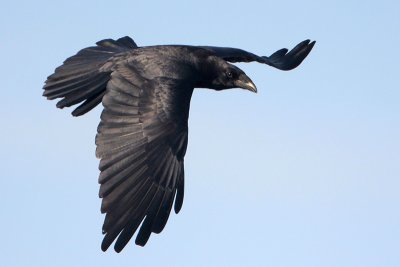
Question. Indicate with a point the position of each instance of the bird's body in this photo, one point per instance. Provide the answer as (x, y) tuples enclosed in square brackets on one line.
[(172, 61), (143, 133)]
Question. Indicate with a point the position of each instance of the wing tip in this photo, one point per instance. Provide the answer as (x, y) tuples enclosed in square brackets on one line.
[(106, 243)]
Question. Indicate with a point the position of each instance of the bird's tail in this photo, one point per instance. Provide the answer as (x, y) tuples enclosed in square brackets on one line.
[(81, 77)]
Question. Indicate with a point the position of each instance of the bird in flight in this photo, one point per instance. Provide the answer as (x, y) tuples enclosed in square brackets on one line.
[(143, 133)]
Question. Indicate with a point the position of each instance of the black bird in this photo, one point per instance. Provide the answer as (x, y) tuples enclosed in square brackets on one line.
[(143, 134)]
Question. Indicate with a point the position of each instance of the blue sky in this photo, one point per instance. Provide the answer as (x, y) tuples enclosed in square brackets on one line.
[(304, 173)]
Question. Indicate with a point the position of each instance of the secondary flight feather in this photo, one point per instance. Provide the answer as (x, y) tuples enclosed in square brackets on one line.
[(143, 133)]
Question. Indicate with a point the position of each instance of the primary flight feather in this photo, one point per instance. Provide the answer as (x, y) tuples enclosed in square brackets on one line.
[(143, 133)]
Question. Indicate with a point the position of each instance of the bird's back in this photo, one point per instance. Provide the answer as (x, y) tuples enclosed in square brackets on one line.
[(173, 61)]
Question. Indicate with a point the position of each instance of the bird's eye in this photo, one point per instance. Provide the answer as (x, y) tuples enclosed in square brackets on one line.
[(229, 74)]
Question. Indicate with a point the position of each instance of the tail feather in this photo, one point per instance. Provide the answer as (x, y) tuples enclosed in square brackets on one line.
[(81, 79), (88, 105)]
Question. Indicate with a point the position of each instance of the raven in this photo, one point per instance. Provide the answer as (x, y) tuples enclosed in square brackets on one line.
[(143, 134)]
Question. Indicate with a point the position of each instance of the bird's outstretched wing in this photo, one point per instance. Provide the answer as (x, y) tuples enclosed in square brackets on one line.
[(141, 141), (282, 59)]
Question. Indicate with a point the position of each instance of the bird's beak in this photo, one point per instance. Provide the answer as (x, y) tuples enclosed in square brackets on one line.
[(245, 83)]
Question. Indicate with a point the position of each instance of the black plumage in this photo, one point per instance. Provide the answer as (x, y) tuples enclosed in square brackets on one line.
[(143, 134)]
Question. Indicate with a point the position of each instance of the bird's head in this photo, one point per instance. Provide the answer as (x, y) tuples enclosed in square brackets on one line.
[(223, 75)]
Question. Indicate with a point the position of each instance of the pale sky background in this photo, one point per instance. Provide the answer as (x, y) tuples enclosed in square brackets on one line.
[(305, 173)]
